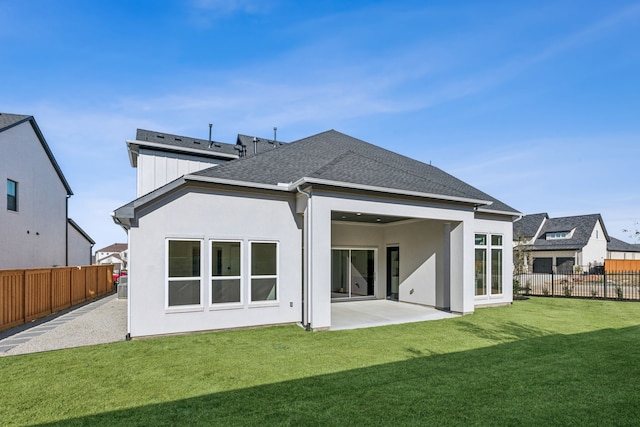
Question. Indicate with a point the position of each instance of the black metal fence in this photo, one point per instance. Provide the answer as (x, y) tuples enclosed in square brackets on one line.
[(616, 286)]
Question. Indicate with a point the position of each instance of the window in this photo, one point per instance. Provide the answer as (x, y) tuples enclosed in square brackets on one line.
[(226, 265), (12, 195), (496, 264), (264, 271), (485, 273), (558, 235), (183, 272)]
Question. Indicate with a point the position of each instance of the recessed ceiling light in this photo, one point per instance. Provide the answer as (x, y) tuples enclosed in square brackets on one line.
[(359, 213)]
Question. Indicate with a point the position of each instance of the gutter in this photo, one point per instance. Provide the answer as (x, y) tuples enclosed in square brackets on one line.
[(307, 180)]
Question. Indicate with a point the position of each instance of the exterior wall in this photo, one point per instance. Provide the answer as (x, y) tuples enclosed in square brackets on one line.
[(504, 227), (79, 248), (156, 168), (38, 230), (623, 255), (595, 251), (197, 214)]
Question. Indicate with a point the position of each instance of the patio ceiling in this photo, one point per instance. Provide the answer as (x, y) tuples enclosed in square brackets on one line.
[(365, 217)]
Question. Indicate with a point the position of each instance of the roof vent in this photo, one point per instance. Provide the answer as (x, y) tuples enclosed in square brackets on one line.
[(195, 141), (160, 136), (178, 139)]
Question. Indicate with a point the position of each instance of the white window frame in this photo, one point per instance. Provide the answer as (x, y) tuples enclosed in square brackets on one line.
[(222, 305), (489, 247), (251, 276), (189, 307)]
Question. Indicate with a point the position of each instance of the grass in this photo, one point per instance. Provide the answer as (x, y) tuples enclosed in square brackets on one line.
[(542, 361)]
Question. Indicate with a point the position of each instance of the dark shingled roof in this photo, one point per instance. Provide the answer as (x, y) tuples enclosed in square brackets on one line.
[(184, 142), (9, 120), (583, 225), (177, 142), (334, 156), (616, 245), (527, 226)]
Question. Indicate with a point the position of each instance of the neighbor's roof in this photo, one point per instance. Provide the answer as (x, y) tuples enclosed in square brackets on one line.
[(583, 225), (617, 245), (116, 247), (335, 157), (7, 121), (527, 227)]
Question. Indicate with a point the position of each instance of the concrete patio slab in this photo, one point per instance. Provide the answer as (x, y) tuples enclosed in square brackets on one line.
[(370, 313)]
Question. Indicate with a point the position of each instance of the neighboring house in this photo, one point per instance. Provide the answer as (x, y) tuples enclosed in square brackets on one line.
[(618, 249), (116, 254), (276, 237), (80, 245), (561, 245), (34, 218), (160, 158)]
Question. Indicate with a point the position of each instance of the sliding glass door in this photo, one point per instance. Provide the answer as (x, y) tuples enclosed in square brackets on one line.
[(352, 273)]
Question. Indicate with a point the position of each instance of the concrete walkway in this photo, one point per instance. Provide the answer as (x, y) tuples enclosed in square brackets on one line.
[(98, 322), (369, 313)]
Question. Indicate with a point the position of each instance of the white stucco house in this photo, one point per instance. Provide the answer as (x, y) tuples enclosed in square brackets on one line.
[(568, 244), (34, 224), (116, 254), (279, 232)]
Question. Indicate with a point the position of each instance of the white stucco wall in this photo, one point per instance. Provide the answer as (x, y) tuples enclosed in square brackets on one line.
[(623, 255), (207, 215), (595, 251), (35, 235), (79, 248), (156, 168)]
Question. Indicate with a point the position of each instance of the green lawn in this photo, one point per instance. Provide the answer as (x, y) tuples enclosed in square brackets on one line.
[(541, 361)]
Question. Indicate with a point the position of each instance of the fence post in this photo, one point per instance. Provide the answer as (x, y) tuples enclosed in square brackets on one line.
[(604, 276), (553, 290)]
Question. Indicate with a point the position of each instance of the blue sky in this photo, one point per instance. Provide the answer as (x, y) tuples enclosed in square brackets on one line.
[(534, 102)]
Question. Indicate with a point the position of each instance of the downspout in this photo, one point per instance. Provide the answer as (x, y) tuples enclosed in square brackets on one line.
[(307, 254), (66, 231)]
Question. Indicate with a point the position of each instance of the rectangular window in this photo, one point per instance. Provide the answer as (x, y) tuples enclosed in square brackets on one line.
[(496, 264), (226, 265), (183, 271), (264, 271), (486, 273), (12, 195)]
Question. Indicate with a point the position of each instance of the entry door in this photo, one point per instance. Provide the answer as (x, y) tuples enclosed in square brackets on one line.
[(393, 272), (352, 273)]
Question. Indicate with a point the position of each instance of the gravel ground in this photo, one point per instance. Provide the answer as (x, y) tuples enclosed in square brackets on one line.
[(99, 322)]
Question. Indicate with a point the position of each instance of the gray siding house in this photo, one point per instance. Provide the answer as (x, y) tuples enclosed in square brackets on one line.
[(34, 226), (277, 235)]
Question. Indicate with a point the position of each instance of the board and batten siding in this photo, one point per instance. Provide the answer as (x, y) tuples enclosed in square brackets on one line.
[(156, 168)]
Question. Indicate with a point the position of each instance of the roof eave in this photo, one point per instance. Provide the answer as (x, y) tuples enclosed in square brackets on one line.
[(309, 180), (179, 149)]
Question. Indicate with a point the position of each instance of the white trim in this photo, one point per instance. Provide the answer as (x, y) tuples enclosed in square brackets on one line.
[(250, 276), (186, 307), (211, 277), (199, 178), (178, 148)]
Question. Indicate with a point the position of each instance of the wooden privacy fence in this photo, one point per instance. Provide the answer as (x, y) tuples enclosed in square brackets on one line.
[(618, 265), (26, 295)]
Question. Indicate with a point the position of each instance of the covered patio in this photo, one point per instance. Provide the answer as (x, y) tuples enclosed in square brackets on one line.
[(380, 312)]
